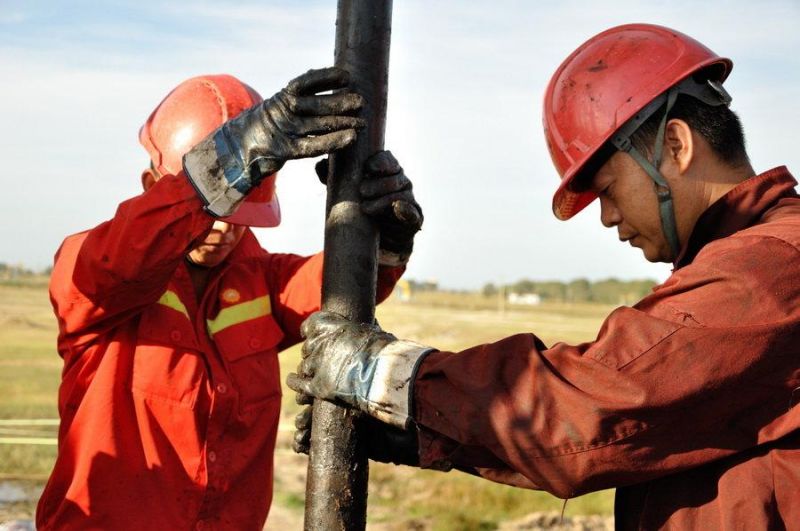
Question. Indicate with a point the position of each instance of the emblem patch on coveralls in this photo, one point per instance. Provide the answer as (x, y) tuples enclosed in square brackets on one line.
[(231, 295)]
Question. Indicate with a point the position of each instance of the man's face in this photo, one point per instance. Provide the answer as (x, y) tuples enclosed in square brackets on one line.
[(628, 202), (219, 243)]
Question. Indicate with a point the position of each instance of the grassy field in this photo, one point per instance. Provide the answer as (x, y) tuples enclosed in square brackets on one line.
[(400, 497), (29, 375)]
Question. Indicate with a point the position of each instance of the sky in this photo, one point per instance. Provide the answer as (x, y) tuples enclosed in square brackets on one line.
[(466, 83)]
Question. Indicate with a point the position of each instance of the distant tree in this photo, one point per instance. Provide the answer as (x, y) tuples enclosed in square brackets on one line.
[(640, 289), (551, 291), (609, 291), (579, 290), (489, 290), (606, 291), (523, 286)]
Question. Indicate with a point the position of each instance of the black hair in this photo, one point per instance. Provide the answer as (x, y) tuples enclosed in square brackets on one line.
[(718, 125)]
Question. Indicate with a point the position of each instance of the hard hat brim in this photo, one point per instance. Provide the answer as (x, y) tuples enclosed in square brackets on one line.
[(252, 214)]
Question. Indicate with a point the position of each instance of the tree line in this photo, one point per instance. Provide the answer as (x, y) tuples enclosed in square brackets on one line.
[(608, 291), (13, 274)]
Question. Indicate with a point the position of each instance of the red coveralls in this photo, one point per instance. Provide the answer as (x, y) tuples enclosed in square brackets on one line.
[(687, 401), (169, 405)]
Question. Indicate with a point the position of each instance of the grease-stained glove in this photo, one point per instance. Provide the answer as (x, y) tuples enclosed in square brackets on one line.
[(358, 365), (297, 122), (387, 197), (384, 443)]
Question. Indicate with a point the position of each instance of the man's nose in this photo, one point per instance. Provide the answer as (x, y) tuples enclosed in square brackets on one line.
[(609, 213), (222, 226), (225, 230)]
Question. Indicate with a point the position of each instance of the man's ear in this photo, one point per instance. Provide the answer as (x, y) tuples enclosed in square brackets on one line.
[(679, 146), (148, 179)]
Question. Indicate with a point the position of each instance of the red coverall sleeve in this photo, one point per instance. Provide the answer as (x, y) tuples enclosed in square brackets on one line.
[(106, 274), (703, 368), (296, 287)]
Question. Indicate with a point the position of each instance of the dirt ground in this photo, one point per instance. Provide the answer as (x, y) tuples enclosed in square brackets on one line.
[(18, 500), (292, 469)]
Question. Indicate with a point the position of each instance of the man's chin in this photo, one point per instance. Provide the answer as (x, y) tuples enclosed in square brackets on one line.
[(207, 257), (655, 256)]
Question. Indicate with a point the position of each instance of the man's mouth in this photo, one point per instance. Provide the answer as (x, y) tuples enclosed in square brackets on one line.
[(213, 246)]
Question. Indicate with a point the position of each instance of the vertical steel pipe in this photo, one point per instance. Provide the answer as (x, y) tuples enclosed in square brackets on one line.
[(336, 487)]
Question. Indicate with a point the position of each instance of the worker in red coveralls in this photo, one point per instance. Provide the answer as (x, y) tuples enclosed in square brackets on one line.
[(171, 315), (687, 401)]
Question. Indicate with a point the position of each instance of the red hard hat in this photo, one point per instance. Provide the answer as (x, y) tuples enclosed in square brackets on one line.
[(603, 84), (190, 113)]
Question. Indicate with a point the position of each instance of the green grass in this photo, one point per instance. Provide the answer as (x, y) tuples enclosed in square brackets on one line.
[(291, 500), (453, 500), (399, 496), (30, 371)]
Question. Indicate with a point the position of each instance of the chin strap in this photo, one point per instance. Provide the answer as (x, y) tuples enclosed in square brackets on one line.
[(622, 141), (709, 92)]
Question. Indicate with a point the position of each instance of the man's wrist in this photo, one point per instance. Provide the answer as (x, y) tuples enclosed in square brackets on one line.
[(217, 175), (392, 259), (390, 395)]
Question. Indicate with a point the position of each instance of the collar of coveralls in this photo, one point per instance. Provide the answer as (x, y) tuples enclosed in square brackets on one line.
[(738, 209)]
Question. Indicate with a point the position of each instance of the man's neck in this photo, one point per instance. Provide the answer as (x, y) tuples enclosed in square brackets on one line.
[(729, 177), (199, 276)]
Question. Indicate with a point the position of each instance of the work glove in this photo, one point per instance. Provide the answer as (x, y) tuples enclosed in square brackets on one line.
[(384, 443), (358, 365), (387, 197), (296, 122)]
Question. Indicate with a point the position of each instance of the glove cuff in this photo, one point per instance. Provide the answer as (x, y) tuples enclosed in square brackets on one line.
[(216, 172), (390, 395), (392, 259)]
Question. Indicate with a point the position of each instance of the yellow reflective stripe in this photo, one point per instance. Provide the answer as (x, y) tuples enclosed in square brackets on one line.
[(239, 313), (170, 299)]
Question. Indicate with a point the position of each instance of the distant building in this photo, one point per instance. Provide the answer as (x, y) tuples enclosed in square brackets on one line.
[(525, 299), (403, 290)]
